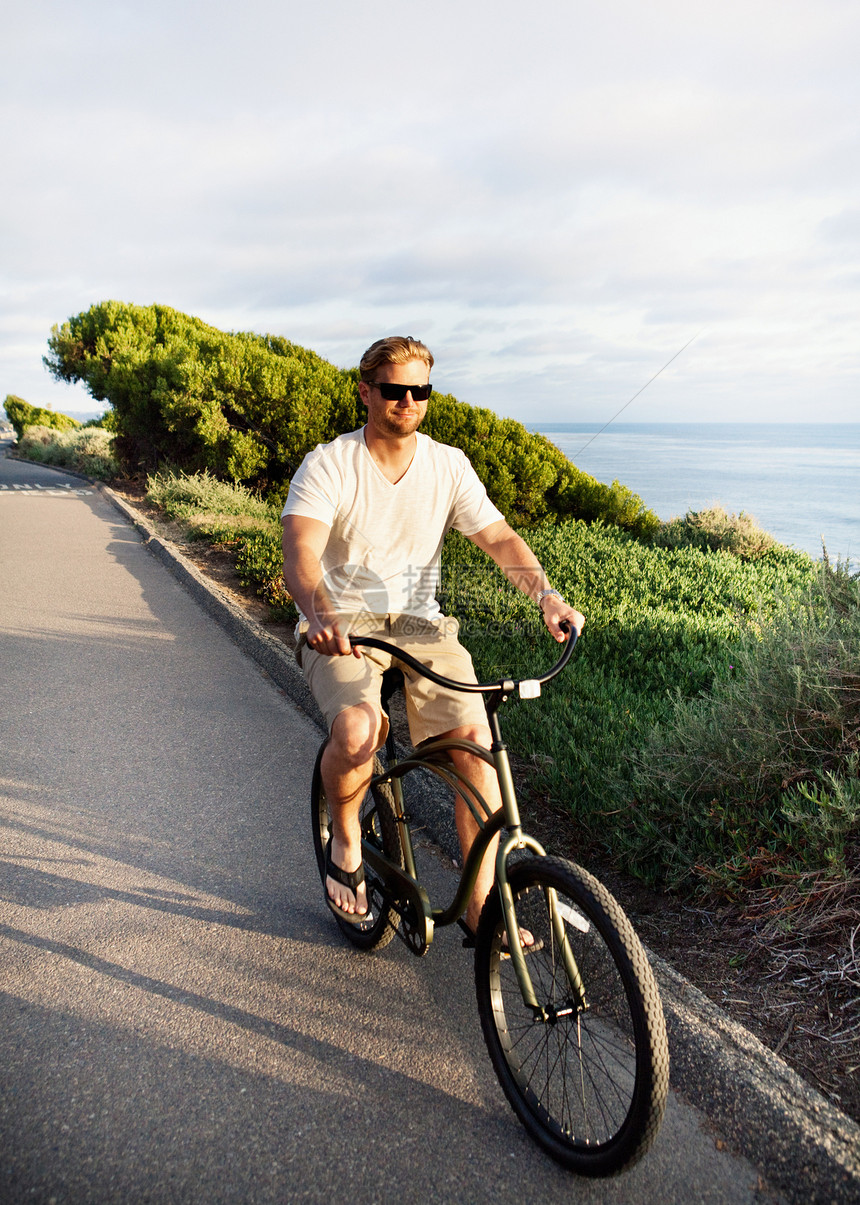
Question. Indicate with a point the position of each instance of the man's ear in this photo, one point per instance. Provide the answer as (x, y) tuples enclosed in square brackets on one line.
[(363, 391)]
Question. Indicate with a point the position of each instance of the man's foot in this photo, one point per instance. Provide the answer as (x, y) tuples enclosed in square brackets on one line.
[(346, 893), (529, 943)]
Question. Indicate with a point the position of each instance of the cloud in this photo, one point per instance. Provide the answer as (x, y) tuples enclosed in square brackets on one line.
[(557, 196)]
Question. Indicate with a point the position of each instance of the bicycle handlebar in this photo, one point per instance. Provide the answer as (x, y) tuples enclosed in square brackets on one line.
[(506, 686)]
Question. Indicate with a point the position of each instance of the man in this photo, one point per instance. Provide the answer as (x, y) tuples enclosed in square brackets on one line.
[(363, 530)]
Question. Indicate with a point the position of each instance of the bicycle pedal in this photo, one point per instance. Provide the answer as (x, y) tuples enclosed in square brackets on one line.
[(469, 939)]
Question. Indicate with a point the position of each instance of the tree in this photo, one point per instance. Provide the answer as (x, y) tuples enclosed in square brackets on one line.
[(245, 406), (22, 415)]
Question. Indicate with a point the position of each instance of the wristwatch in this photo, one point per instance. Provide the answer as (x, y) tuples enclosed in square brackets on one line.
[(545, 594)]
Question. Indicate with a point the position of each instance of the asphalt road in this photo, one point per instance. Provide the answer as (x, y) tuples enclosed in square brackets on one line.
[(180, 1019)]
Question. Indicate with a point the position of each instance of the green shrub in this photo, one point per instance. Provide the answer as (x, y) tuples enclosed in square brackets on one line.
[(713, 529), (184, 495), (22, 415), (85, 450), (230, 514), (260, 563), (247, 407)]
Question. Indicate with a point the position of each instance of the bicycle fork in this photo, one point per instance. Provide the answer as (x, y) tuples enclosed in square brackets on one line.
[(518, 956), (517, 839)]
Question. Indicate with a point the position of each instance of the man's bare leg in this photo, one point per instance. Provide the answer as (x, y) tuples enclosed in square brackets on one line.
[(347, 767)]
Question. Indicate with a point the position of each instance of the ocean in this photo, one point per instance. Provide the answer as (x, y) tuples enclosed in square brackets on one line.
[(801, 481)]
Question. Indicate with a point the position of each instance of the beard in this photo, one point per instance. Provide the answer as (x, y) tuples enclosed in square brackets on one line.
[(399, 424)]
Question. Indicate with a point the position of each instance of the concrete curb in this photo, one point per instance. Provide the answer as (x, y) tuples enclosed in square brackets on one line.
[(805, 1147)]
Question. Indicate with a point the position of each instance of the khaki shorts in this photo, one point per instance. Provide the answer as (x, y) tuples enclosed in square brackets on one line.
[(338, 683)]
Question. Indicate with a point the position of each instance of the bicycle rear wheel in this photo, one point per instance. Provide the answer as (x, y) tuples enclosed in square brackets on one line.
[(378, 825), (589, 1077)]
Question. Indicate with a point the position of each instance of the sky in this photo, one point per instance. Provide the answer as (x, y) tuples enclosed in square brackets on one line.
[(556, 196)]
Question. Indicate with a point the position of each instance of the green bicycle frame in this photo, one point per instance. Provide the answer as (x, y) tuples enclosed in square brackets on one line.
[(434, 758)]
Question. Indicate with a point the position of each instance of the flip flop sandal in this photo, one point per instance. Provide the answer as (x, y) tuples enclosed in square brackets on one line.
[(347, 878)]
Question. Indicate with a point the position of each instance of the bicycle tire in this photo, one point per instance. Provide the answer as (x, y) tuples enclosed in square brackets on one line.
[(379, 825), (589, 1085)]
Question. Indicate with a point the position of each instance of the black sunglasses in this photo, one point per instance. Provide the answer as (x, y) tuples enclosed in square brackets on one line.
[(396, 393)]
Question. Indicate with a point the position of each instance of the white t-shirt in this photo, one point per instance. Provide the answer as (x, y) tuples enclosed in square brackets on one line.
[(385, 542)]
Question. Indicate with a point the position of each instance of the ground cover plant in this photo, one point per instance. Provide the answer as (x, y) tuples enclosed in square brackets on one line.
[(663, 624), (756, 784)]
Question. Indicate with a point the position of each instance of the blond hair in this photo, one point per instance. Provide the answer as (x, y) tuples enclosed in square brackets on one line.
[(395, 349)]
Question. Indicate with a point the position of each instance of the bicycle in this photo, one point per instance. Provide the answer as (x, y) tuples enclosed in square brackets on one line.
[(573, 1023)]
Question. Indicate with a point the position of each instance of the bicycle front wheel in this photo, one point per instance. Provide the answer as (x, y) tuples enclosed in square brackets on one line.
[(588, 1072), (379, 825)]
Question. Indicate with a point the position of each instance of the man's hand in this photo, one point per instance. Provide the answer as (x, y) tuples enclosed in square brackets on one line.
[(555, 611), (325, 635)]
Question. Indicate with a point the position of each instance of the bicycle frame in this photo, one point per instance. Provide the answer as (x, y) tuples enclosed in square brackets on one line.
[(433, 757)]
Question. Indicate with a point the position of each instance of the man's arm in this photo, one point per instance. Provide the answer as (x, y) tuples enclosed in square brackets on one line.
[(304, 543), (522, 568)]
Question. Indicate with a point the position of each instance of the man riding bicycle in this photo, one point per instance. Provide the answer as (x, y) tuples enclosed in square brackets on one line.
[(363, 529)]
